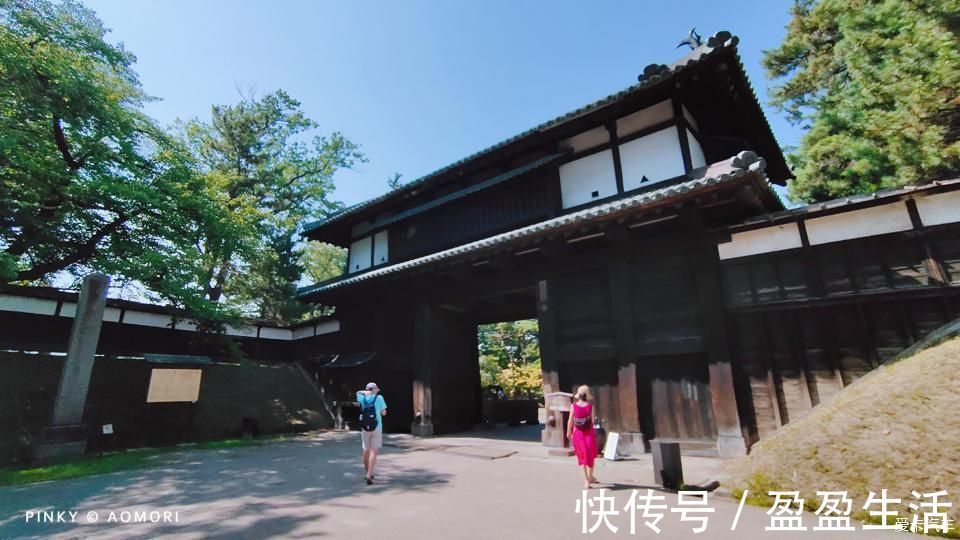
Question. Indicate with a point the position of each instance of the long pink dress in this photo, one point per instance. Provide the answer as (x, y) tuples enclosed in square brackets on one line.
[(584, 439)]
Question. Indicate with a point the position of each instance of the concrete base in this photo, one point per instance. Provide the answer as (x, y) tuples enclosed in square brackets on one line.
[(563, 452), (728, 446), (552, 437), (61, 443), (631, 444), (421, 430)]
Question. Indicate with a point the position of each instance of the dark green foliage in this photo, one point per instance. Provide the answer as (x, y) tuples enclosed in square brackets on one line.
[(874, 81)]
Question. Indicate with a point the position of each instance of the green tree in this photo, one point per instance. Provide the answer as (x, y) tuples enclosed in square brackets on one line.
[(87, 181), (510, 356), (83, 170), (323, 261), (271, 177), (870, 79)]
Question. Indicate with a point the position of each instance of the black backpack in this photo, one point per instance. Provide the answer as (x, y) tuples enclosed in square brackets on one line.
[(368, 414)]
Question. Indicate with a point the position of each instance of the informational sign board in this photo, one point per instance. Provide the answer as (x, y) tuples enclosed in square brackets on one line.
[(174, 385), (610, 449), (108, 429)]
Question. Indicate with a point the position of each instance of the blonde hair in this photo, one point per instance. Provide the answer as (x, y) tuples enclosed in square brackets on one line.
[(585, 390)]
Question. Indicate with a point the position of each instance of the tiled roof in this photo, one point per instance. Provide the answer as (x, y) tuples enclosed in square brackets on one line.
[(651, 74), (738, 166)]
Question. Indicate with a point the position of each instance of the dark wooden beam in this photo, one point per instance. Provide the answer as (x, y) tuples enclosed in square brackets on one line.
[(932, 265)]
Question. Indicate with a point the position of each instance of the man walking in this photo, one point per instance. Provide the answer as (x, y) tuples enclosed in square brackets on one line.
[(372, 409)]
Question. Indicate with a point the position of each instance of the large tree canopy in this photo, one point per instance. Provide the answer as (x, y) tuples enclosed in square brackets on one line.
[(871, 79), (84, 173), (206, 219), (271, 177)]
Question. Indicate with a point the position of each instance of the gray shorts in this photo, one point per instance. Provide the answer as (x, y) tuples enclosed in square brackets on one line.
[(371, 439)]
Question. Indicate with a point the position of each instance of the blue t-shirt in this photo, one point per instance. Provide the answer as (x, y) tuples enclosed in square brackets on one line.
[(379, 404)]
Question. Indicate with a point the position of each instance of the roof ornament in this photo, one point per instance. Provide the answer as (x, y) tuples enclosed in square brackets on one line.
[(693, 40)]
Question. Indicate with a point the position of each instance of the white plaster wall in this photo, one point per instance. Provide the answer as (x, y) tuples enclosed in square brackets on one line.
[(940, 208), (186, 325), (872, 221), (360, 254), (381, 253), (25, 304), (69, 309), (656, 156), (697, 159), (110, 314), (587, 139), (767, 239), (300, 333), (245, 331), (581, 178), (143, 318), (645, 118), (282, 334), (328, 327)]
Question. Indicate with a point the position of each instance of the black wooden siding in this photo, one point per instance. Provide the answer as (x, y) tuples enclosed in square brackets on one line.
[(804, 324), (499, 209)]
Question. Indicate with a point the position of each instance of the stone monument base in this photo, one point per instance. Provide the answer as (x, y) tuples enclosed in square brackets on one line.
[(61, 443)]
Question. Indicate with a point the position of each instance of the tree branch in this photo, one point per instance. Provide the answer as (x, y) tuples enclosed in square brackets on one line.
[(82, 253), (64, 148)]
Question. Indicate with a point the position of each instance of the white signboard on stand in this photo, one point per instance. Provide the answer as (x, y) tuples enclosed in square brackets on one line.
[(610, 449)]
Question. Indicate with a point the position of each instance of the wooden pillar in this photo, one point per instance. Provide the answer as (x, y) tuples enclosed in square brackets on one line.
[(554, 433), (621, 308), (730, 441), (423, 353), (547, 336), (932, 265)]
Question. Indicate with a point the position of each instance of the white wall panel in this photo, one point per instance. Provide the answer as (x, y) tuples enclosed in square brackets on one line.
[(245, 330), (381, 253), (645, 118), (360, 253), (328, 327), (303, 332), (588, 179), (656, 156), (939, 209), (767, 239), (25, 304), (282, 334), (69, 309), (872, 221), (697, 159), (143, 318)]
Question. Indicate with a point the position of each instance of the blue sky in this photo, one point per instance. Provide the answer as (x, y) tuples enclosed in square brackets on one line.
[(420, 84)]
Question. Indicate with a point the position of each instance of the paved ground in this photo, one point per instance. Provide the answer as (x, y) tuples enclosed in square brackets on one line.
[(312, 487)]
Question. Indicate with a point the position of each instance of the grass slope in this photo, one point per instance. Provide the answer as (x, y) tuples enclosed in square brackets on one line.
[(112, 462), (896, 428)]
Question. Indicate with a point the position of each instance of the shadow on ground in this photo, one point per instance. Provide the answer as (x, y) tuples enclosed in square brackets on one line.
[(250, 492)]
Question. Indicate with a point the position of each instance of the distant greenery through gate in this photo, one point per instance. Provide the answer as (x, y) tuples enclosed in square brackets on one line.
[(510, 357)]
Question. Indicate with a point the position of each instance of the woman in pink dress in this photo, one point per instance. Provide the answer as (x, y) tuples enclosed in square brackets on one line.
[(580, 431)]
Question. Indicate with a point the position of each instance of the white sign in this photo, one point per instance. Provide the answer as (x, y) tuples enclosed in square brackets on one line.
[(610, 449), (108, 429)]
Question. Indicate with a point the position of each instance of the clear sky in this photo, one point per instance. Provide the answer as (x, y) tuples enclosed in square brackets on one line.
[(420, 84)]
